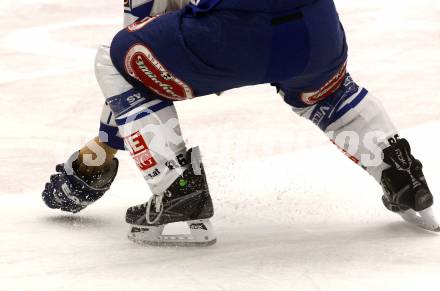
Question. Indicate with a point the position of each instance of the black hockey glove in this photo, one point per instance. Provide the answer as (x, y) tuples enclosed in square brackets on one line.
[(68, 192)]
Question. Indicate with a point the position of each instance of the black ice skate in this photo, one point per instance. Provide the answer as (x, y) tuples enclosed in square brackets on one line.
[(186, 200), (405, 187)]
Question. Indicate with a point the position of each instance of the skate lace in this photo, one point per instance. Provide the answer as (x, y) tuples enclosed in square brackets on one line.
[(158, 205)]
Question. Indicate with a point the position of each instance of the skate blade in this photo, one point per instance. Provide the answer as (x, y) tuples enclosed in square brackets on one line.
[(202, 235), (424, 219)]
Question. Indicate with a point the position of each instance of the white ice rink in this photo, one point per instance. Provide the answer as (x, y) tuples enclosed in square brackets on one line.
[(292, 213)]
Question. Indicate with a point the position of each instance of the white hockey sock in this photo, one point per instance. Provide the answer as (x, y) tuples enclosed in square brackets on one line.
[(153, 137), (362, 133), (357, 123)]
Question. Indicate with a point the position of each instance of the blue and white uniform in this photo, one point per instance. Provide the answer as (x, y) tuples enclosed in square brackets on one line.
[(210, 46), (220, 45)]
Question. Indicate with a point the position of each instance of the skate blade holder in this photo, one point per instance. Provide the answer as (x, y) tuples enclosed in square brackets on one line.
[(424, 219), (201, 234)]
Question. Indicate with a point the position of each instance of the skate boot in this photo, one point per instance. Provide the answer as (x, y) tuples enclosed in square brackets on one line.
[(406, 191), (69, 192), (187, 199)]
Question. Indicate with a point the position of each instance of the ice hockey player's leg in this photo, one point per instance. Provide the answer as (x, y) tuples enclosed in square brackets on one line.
[(151, 132), (354, 121), (357, 123), (149, 126)]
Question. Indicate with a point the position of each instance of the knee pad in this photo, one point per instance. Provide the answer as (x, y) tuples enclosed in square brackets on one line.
[(121, 96), (135, 59)]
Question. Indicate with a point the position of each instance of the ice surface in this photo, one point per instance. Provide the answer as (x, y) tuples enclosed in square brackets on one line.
[(291, 212)]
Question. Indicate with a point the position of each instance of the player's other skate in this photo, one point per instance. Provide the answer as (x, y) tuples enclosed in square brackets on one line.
[(186, 200), (405, 187)]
